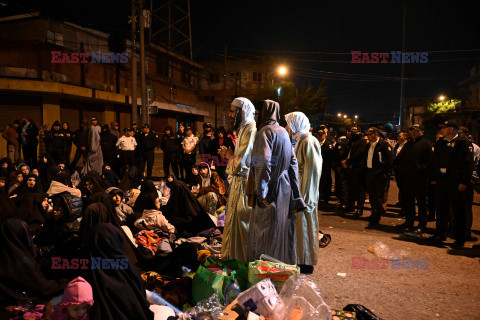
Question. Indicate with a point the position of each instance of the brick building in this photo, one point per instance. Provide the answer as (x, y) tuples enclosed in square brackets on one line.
[(31, 83)]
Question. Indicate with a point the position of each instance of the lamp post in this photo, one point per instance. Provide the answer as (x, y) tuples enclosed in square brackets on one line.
[(441, 98)]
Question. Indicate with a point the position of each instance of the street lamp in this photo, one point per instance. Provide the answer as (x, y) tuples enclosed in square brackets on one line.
[(282, 70), (441, 98), (345, 116), (339, 115), (356, 117)]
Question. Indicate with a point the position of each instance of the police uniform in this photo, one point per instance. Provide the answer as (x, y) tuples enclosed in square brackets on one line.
[(452, 165), (378, 168), (414, 170), (146, 146)]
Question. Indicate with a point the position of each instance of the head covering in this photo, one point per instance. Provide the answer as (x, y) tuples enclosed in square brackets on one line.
[(298, 122), (77, 291), (246, 112), (418, 127), (449, 124), (131, 179), (119, 293), (270, 113), (19, 270), (147, 189)]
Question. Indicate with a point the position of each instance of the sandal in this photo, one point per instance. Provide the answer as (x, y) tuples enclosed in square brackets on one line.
[(325, 240)]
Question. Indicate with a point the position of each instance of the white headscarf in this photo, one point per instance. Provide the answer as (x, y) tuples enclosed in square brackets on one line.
[(247, 110), (298, 122)]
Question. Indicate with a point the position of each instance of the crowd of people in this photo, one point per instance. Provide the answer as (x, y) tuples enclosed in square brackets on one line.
[(265, 181)]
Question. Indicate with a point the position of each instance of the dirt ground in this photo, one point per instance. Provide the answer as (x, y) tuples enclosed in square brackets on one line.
[(446, 286)]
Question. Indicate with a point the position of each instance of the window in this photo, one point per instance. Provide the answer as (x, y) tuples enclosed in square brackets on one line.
[(257, 77), (214, 77), (55, 38), (163, 67), (187, 77)]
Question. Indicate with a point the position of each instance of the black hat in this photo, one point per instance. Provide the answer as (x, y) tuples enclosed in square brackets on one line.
[(129, 129), (372, 130), (355, 130), (449, 124), (418, 127), (322, 127), (93, 119), (146, 126), (134, 123)]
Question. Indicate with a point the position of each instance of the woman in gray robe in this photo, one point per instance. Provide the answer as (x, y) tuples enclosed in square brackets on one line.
[(276, 194), (309, 157), (94, 152)]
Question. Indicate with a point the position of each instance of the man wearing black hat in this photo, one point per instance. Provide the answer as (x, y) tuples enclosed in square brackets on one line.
[(354, 167), (378, 166), (170, 147), (146, 146), (452, 168), (327, 156), (416, 153)]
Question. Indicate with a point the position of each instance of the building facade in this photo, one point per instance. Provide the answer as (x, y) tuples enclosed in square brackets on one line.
[(54, 70)]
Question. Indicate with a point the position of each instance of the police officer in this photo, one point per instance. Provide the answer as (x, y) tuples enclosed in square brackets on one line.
[(340, 153), (378, 166), (170, 147), (416, 155), (146, 147), (327, 156), (354, 167), (452, 168)]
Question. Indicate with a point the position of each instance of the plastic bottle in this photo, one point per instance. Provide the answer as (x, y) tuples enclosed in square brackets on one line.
[(231, 292), (154, 298), (26, 302)]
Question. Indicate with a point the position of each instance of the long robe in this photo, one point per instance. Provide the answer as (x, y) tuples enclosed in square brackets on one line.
[(237, 215), (94, 155), (275, 174), (309, 157)]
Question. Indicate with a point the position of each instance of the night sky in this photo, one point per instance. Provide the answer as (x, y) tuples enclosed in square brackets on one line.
[(331, 30)]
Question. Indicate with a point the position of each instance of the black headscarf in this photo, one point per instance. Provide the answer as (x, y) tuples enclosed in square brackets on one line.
[(270, 113), (110, 179), (6, 172), (31, 211), (131, 179), (95, 178), (7, 206), (147, 189), (118, 293), (184, 211), (46, 170), (64, 178), (19, 271), (23, 191)]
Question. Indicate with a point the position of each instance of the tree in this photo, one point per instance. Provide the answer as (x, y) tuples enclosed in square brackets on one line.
[(442, 106), (291, 99)]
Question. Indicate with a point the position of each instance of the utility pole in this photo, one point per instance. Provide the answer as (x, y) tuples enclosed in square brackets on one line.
[(134, 61), (142, 62), (224, 84), (402, 76)]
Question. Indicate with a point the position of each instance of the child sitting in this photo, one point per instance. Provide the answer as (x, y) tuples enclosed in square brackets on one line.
[(152, 217), (76, 301)]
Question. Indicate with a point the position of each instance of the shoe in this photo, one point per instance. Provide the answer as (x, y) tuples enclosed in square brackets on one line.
[(471, 238), (419, 231), (458, 244), (398, 204), (405, 226), (437, 238), (373, 224), (306, 269), (358, 213), (431, 218), (347, 209)]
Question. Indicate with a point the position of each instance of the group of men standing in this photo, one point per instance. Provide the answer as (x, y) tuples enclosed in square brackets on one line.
[(434, 177)]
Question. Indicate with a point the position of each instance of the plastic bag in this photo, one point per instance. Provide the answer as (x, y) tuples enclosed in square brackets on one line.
[(240, 268), (206, 283), (276, 271), (382, 251), (300, 291), (208, 309), (75, 178)]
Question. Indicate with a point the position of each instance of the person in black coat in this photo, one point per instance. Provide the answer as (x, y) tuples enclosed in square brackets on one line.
[(398, 155), (29, 140), (108, 141), (146, 146), (170, 147), (205, 146), (68, 135), (378, 167), (340, 153), (79, 140), (327, 156), (416, 155), (56, 143), (451, 172), (354, 167)]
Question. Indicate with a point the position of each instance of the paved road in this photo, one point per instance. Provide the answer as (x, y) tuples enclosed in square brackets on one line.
[(448, 288)]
